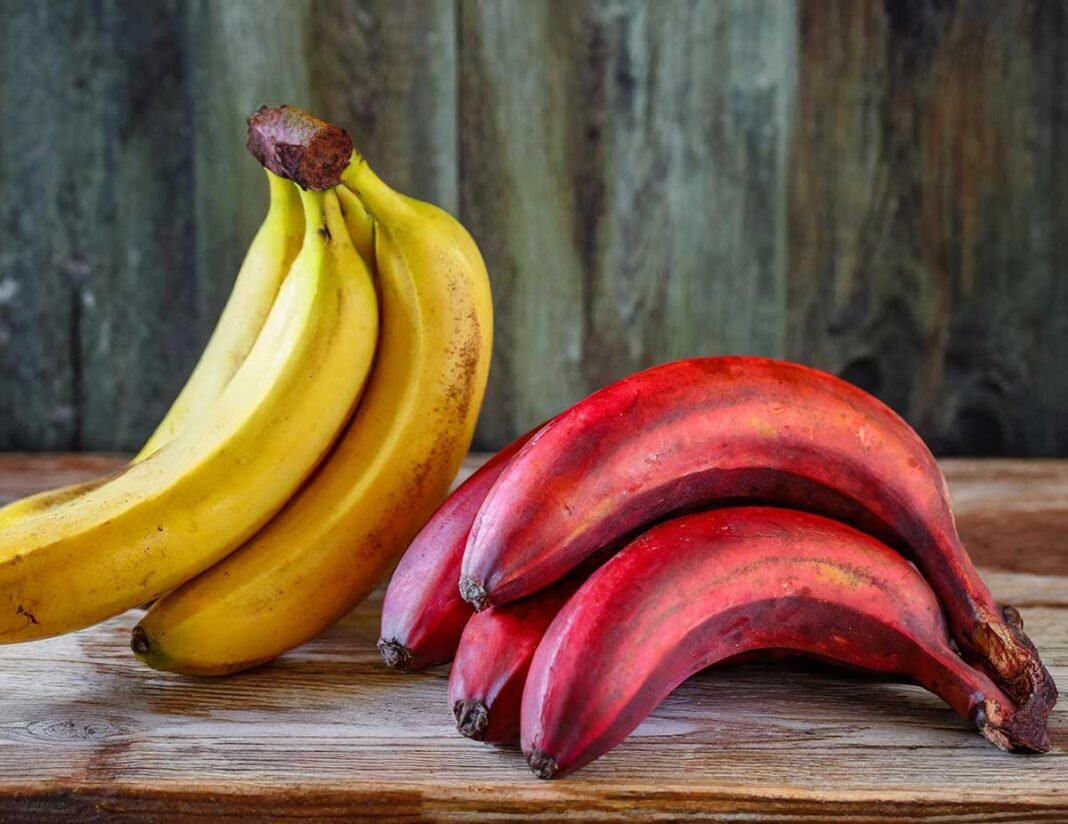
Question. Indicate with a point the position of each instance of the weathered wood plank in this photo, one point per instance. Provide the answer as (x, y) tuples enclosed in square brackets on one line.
[(327, 733), (927, 215), (240, 56), (624, 169), (63, 89), (876, 188), (477, 802), (137, 298), (144, 200), (515, 186), (26, 473), (386, 69), (1008, 512)]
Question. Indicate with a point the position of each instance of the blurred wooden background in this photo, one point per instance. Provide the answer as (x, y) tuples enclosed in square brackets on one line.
[(876, 188)]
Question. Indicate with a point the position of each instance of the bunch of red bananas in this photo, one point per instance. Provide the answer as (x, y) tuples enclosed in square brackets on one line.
[(687, 515)]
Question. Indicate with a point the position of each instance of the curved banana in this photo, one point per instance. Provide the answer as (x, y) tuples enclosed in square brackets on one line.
[(698, 590), (341, 535), (173, 515), (269, 257), (48, 499), (360, 224), (266, 263)]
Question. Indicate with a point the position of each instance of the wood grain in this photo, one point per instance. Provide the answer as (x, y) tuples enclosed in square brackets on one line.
[(1009, 512), (95, 229), (926, 221), (25, 473), (326, 733), (387, 71), (239, 56), (875, 188), (639, 213)]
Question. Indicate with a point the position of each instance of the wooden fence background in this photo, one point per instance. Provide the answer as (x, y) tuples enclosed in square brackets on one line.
[(877, 188)]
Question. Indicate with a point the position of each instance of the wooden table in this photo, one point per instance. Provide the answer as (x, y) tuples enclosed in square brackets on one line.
[(87, 733)]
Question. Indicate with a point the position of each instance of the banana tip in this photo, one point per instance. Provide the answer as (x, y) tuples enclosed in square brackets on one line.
[(395, 654), (472, 718), (139, 642), (474, 593), (542, 764), (1011, 731)]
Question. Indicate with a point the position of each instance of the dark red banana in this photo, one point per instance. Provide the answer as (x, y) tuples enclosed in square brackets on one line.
[(722, 431), (497, 646), (703, 588), (423, 613)]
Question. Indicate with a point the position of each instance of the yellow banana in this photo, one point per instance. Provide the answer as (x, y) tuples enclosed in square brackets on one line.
[(360, 224), (33, 505), (345, 529), (268, 259), (205, 493)]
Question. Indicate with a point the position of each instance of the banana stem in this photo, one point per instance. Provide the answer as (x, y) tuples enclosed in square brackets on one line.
[(299, 146)]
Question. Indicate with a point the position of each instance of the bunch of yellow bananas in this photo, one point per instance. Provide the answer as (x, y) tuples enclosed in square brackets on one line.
[(323, 424)]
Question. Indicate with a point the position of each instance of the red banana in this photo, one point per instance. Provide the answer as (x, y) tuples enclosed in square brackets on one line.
[(702, 588), (423, 613), (720, 431), (487, 677)]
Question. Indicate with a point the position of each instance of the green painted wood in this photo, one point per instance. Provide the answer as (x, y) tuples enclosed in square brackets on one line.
[(875, 188), (128, 124), (239, 56), (623, 165), (517, 199), (386, 70), (928, 219), (91, 233), (136, 300)]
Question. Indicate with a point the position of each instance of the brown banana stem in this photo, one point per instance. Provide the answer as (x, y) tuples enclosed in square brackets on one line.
[(298, 146)]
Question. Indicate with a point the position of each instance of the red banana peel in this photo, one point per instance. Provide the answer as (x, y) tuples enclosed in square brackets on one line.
[(703, 588), (423, 613), (497, 646), (722, 431)]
